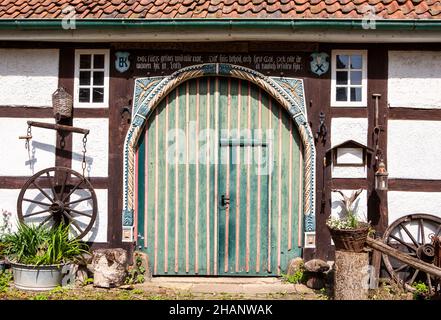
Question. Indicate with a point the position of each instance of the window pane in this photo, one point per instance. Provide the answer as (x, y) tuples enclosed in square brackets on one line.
[(85, 61), (342, 77), (98, 78), (342, 61), (98, 95), (98, 61), (356, 77), (84, 95), (356, 61), (84, 77), (355, 94), (342, 94)]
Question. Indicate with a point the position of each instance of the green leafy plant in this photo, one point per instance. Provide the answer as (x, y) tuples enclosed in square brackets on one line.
[(421, 291), (349, 220), (34, 245), (137, 273), (296, 278), (5, 280)]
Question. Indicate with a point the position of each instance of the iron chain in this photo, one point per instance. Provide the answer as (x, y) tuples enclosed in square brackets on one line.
[(28, 137), (83, 164)]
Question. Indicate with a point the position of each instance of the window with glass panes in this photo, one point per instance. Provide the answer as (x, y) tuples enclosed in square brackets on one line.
[(349, 77), (91, 78)]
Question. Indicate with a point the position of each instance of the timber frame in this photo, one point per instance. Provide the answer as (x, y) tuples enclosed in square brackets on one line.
[(317, 96), (149, 92)]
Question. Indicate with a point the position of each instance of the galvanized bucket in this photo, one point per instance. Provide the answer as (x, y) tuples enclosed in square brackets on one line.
[(36, 278)]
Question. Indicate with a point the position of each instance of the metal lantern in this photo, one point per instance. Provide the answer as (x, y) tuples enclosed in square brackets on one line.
[(62, 103), (381, 177)]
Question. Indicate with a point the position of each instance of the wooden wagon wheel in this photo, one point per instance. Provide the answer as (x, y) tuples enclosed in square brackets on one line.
[(56, 195), (399, 236)]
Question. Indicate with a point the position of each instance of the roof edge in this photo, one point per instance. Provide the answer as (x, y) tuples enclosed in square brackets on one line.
[(225, 24)]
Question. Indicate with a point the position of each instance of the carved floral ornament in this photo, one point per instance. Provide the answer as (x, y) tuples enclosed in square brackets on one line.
[(289, 92)]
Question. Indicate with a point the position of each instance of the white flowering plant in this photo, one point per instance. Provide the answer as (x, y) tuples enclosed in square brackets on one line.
[(5, 228), (349, 220)]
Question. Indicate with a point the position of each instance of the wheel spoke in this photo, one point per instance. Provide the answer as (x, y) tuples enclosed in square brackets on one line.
[(423, 238), (42, 191), (409, 234), (81, 213), (64, 184), (400, 268), (79, 200), (73, 190), (45, 220), (52, 186), (35, 213), (429, 282), (412, 280), (72, 221), (37, 202), (403, 243)]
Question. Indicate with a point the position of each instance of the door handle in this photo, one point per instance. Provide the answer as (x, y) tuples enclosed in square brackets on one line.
[(225, 201)]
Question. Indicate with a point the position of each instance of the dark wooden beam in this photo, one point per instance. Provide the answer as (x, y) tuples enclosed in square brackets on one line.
[(65, 79), (414, 185), (120, 89), (26, 112), (349, 112), (349, 183), (317, 93), (17, 182), (47, 112), (414, 114)]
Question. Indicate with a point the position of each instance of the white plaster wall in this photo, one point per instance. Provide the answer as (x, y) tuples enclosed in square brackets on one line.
[(349, 172), (414, 149), (401, 203), (343, 129), (14, 158), (360, 205), (28, 76), (97, 147), (98, 233), (414, 79)]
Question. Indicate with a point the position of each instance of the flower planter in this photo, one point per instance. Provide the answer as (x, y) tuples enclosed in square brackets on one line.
[(350, 239), (36, 278)]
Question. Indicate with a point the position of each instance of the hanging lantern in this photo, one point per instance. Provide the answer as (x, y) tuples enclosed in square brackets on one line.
[(381, 177), (62, 103)]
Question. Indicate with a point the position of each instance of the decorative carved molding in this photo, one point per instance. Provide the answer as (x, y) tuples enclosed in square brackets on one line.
[(288, 92)]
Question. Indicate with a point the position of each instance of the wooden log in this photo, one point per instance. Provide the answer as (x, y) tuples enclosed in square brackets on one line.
[(411, 261), (351, 275)]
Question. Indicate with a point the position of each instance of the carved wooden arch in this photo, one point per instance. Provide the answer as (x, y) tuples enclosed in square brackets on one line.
[(148, 92)]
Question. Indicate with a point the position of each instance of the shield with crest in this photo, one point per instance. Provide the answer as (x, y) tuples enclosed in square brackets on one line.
[(319, 63), (122, 62)]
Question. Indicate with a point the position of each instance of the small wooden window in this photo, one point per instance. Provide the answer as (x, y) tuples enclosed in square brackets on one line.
[(91, 78), (349, 78)]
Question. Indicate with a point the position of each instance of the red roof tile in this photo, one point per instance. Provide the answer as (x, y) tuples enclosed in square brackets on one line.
[(250, 9)]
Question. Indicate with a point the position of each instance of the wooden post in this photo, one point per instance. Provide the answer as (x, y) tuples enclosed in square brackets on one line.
[(351, 277)]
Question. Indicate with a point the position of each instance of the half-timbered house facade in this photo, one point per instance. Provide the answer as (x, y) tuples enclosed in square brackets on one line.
[(212, 122)]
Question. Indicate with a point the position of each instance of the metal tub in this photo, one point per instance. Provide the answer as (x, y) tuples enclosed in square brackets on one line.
[(36, 278)]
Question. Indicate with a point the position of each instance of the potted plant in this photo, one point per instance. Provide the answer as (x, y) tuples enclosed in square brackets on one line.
[(38, 254), (5, 228), (348, 232)]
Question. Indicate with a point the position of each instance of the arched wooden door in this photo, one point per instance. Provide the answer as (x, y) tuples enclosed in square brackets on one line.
[(219, 171)]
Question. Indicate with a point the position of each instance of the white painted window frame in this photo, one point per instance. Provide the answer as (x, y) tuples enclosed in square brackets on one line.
[(334, 102), (105, 103)]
